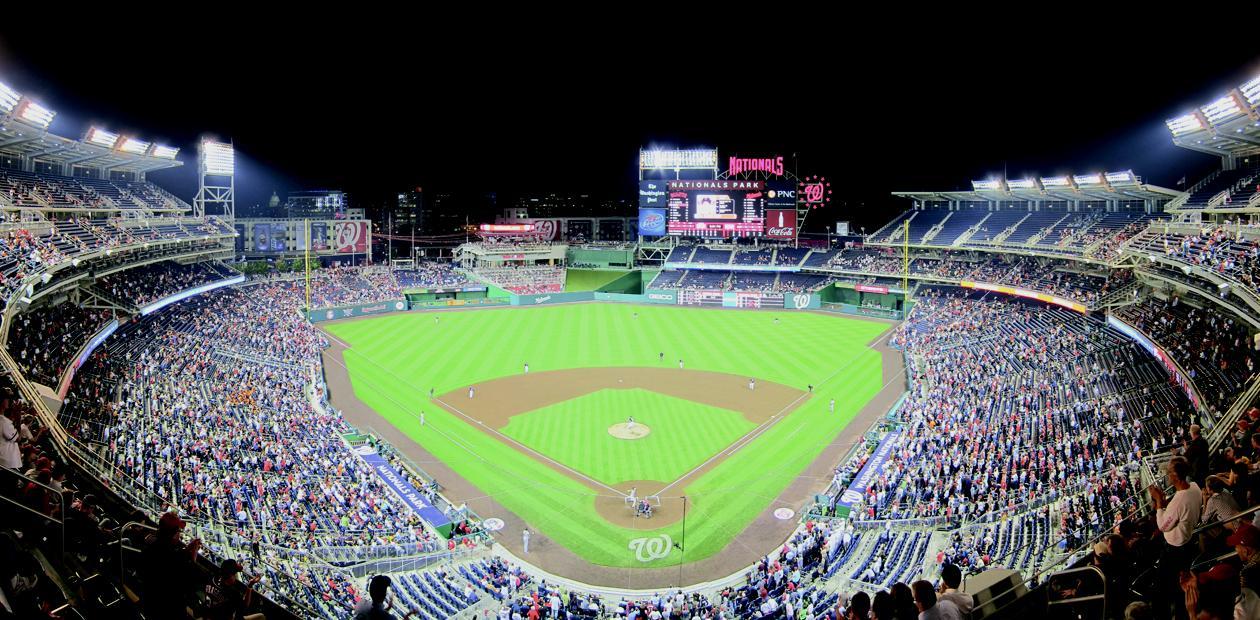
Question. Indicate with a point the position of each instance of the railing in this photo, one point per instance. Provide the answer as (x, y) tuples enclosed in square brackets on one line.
[(59, 521)]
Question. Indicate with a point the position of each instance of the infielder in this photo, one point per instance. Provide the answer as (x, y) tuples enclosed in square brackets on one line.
[(527, 368), (470, 391), (525, 540), (752, 384)]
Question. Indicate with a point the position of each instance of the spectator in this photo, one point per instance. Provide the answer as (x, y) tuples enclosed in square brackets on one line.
[(929, 607), (224, 599), (379, 609), (10, 453), (167, 569), (1176, 518), (951, 579)]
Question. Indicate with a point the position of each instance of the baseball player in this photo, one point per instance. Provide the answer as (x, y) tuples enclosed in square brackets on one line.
[(527, 368), (680, 364), (470, 391), (833, 405), (752, 384)]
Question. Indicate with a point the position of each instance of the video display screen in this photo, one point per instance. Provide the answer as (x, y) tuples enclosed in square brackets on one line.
[(716, 208)]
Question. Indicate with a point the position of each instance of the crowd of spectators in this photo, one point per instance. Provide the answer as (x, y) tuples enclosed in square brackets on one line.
[(43, 340), (1213, 348), (143, 285), (525, 280)]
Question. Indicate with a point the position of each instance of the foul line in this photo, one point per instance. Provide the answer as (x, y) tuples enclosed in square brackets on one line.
[(776, 418)]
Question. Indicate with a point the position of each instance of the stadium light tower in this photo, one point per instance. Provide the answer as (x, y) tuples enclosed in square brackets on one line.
[(216, 191)]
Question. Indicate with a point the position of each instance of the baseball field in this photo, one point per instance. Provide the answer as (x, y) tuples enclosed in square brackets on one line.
[(720, 400)]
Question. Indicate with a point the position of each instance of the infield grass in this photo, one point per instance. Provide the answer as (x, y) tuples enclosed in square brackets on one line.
[(393, 360)]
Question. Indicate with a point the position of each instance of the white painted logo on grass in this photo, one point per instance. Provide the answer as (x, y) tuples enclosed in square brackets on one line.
[(653, 548), (493, 524)]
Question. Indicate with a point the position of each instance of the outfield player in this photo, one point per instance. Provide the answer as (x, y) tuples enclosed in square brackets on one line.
[(527, 368), (680, 364), (833, 405), (662, 358)]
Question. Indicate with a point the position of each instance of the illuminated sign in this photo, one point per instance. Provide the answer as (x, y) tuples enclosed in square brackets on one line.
[(744, 165), (719, 184), (814, 191), (507, 228)]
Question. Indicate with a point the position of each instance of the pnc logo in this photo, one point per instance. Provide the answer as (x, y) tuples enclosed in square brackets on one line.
[(651, 549)]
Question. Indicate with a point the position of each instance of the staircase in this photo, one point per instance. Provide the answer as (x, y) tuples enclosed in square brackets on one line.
[(935, 230), (971, 231)]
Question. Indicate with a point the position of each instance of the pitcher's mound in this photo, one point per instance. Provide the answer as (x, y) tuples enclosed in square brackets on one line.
[(625, 431)]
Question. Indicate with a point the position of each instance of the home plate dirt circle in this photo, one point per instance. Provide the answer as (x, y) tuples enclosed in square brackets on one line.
[(625, 430)]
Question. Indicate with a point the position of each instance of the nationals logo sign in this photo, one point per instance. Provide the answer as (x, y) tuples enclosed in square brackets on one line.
[(781, 223), (549, 230), (350, 237)]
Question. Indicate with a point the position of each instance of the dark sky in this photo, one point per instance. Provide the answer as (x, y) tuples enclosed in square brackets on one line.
[(373, 111)]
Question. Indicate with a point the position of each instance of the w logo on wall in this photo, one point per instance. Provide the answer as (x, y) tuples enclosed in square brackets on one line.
[(799, 301), (350, 237)]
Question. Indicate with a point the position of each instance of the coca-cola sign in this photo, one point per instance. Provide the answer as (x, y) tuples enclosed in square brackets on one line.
[(781, 224)]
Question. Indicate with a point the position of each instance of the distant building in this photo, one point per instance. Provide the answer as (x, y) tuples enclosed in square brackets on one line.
[(320, 204)]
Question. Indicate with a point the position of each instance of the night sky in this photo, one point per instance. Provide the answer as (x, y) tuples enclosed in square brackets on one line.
[(378, 112)]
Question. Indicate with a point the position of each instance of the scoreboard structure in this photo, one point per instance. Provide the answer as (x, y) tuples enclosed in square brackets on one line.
[(754, 197), (724, 207)]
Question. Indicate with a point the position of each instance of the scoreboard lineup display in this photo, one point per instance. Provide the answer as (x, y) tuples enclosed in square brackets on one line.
[(724, 207)]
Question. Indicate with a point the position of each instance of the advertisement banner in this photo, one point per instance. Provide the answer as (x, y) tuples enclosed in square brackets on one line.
[(319, 236), (240, 237), (279, 236), (350, 237), (867, 288), (658, 296), (870, 472), (262, 237), (652, 222), (403, 488), (653, 194), (780, 195), (346, 312), (781, 224)]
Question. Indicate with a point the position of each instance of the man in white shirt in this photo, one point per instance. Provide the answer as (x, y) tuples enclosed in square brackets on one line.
[(10, 452), (951, 578), (1176, 518)]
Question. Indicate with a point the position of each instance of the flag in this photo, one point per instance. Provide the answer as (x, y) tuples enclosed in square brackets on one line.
[(1182, 181)]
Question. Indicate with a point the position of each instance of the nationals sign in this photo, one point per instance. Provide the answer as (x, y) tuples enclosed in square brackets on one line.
[(781, 223), (350, 237)]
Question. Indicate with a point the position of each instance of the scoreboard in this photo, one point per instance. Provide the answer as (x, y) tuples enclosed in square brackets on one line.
[(716, 208)]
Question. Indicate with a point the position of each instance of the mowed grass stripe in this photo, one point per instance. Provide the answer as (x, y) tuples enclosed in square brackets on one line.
[(476, 346), (575, 433)]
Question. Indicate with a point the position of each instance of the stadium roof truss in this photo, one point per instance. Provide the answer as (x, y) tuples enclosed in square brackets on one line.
[(25, 141), (1099, 187), (1226, 127)]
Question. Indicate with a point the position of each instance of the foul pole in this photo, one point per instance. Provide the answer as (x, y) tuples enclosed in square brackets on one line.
[(307, 225), (905, 254)]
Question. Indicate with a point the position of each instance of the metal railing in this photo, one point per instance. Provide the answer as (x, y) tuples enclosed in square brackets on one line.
[(59, 520)]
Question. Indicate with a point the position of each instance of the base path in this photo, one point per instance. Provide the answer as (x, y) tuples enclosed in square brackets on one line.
[(749, 546)]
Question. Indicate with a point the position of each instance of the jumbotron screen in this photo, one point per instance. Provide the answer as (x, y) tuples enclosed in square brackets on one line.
[(716, 208)]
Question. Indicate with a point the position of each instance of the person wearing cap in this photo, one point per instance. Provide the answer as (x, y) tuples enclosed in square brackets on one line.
[(1246, 541), (224, 600), (378, 589), (168, 570)]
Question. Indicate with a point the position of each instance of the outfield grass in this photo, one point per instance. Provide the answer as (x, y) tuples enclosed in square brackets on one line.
[(394, 359), (575, 432), (589, 279)]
